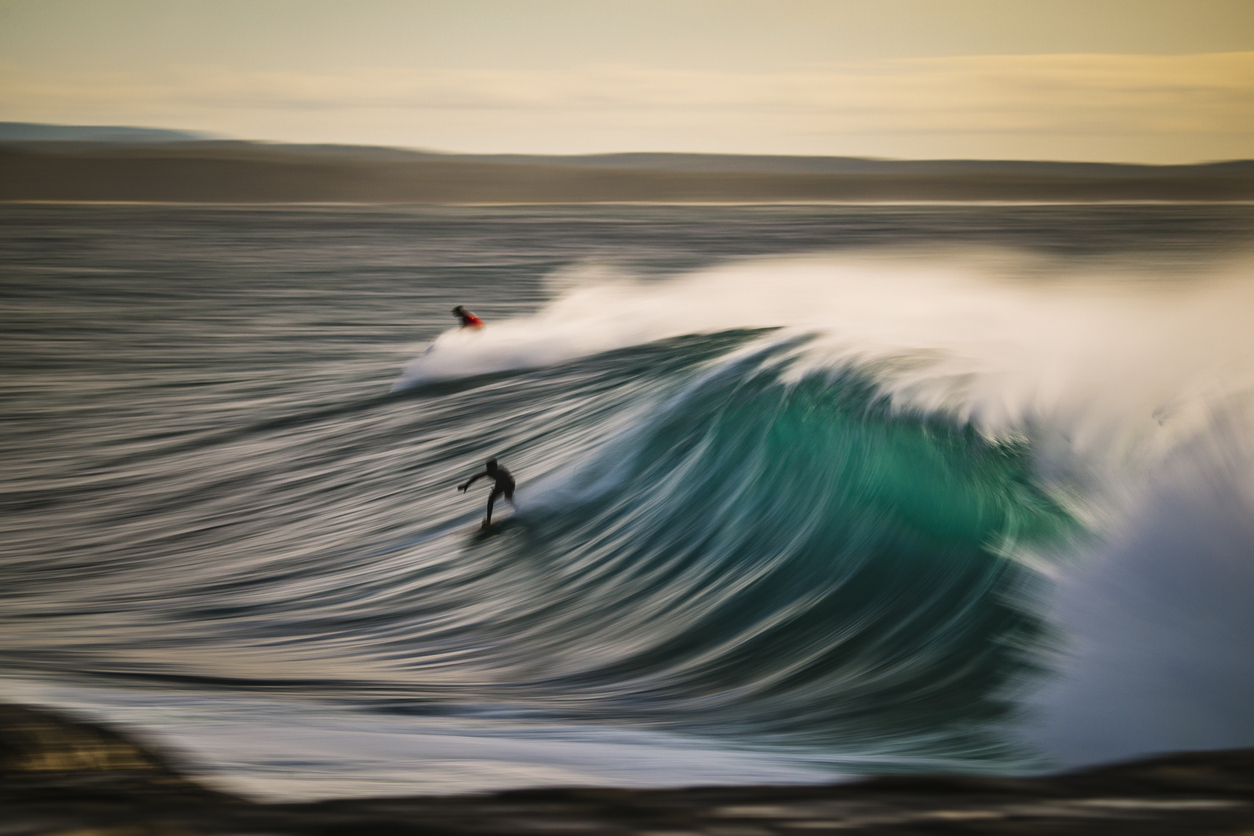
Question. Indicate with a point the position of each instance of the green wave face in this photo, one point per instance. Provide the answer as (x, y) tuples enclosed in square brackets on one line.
[(800, 560)]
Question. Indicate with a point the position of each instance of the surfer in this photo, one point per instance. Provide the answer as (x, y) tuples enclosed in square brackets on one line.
[(504, 486), (468, 319)]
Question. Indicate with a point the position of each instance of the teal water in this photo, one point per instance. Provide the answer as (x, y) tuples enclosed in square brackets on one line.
[(802, 492)]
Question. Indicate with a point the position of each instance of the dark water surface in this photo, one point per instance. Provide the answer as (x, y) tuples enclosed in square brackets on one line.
[(803, 490)]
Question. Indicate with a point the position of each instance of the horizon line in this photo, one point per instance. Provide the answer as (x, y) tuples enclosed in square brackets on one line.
[(196, 136)]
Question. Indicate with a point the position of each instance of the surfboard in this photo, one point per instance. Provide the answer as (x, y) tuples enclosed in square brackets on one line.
[(480, 533)]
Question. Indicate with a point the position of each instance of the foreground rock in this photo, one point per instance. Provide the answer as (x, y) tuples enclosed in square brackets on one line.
[(61, 776)]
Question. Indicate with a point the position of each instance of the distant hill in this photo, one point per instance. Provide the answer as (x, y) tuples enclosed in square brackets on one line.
[(35, 132), (778, 164), (64, 163)]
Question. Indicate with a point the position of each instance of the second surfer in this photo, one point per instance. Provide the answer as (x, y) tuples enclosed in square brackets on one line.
[(467, 319)]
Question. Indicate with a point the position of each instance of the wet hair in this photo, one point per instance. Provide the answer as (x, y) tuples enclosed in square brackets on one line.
[(491, 463), (458, 310)]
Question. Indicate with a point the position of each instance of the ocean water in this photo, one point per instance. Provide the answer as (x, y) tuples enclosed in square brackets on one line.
[(804, 492)]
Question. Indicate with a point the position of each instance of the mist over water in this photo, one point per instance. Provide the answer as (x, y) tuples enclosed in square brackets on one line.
[(802, 492)]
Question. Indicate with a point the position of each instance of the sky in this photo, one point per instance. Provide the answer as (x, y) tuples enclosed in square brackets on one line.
[(1157, 81)]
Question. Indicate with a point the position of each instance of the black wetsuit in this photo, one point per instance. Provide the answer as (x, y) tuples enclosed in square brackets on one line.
[(504, 487)]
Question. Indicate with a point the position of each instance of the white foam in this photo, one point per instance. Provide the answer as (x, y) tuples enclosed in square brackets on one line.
[(1157, 620), (1002, 338), (277, 749)]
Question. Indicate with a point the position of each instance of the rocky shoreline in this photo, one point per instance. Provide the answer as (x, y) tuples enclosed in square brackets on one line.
[(59, 775)]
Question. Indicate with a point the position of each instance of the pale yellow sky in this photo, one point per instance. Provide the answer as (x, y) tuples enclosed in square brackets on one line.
[(1119, 80)]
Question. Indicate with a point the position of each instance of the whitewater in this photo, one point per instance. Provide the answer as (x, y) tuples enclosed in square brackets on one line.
[(803, 492)]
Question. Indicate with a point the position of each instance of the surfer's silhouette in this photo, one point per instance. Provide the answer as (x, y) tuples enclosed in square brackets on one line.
[(504, 486), (467, 319)]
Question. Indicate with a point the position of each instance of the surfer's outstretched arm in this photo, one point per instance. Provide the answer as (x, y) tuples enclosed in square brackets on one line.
[(472, 480)]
